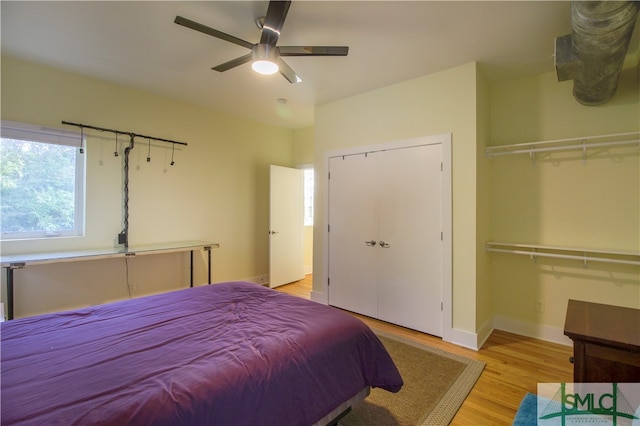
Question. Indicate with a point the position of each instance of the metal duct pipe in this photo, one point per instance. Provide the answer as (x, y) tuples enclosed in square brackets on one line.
[(593, 54)]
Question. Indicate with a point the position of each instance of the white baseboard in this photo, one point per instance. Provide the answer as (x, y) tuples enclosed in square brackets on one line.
[(485, 332), (464, 338), (308, 269), (258, 279), (471, 340), (475, 341), (320, 297), (531, 329)]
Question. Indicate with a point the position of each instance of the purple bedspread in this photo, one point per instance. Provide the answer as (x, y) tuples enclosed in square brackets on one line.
[(225, 354)]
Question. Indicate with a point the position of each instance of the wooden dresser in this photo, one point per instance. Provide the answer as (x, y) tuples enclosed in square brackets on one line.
[(606, 342)]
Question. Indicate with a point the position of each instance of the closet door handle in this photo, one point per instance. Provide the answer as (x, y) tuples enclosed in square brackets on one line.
[(384, 245), (370, 243)]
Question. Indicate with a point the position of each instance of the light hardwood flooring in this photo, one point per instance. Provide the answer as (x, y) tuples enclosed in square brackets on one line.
[(514, 366)]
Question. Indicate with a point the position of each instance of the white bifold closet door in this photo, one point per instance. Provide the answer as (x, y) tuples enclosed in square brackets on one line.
[(385, 246), (353, 229)]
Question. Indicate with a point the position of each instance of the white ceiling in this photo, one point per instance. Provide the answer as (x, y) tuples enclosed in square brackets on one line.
[(137, 44)]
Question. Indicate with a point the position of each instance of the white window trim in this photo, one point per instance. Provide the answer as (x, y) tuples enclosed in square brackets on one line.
[(30, 132)]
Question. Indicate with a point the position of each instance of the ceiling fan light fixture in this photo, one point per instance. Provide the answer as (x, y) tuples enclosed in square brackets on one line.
[(265, 56), (265, 59), (263, 66)]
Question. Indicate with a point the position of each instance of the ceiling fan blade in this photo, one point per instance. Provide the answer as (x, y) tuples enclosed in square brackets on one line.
[(287, 72), (273, 22), (313, 50), (210, 31), (233, 63)]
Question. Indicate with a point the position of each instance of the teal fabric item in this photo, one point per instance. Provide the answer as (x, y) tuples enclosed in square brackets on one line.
[(527, 414)]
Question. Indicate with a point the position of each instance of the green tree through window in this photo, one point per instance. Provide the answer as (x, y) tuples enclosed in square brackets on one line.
[(39, 191)]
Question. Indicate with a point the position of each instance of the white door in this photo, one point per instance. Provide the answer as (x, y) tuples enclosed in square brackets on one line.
[(410, 244), (385, 246), (353, 233), (286, 224)]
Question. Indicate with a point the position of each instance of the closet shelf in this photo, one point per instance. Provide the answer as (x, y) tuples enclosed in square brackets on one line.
[(572, 144), (582, 254)]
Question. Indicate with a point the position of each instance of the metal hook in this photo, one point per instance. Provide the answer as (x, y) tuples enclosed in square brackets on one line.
[(81, 140)]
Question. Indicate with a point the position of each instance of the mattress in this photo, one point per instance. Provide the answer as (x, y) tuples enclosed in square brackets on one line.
[(228, 354)]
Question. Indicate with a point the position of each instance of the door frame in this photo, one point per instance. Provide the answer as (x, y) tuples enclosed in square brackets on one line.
[(447, 231)]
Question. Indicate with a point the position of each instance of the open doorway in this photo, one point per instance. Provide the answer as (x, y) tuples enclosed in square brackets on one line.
[(309, 188)]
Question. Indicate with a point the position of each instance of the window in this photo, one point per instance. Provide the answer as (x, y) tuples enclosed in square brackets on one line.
[(308, 197), (43, 180)]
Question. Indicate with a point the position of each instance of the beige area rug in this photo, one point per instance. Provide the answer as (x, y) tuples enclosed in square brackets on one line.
[(436, 384)]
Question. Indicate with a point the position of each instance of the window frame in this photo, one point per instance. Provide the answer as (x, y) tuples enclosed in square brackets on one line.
[(52, 136), (308, 219)]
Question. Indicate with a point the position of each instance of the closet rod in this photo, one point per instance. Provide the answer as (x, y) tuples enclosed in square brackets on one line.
[(120, 132), (584, 258), (609, 136), (563, 148), (569, 144)]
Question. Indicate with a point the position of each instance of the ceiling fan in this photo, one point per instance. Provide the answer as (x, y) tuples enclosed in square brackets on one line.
[(265, 56)]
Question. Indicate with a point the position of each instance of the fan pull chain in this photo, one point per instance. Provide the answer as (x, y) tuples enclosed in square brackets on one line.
[(81, 140), (149, 152), (173, 150), (115, 153)]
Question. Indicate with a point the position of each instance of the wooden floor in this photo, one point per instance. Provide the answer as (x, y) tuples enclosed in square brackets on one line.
[(514, 366)]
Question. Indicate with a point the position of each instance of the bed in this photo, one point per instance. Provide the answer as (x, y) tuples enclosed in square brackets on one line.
[(226, 354)]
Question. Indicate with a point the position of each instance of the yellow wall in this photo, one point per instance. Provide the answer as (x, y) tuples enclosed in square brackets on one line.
[(562, 201), (217, 191), (303, 146), (440, 103), (484, 308)]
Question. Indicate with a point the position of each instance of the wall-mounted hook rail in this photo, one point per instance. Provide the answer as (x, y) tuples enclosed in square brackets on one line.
[(123, 237), (121, 132)]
